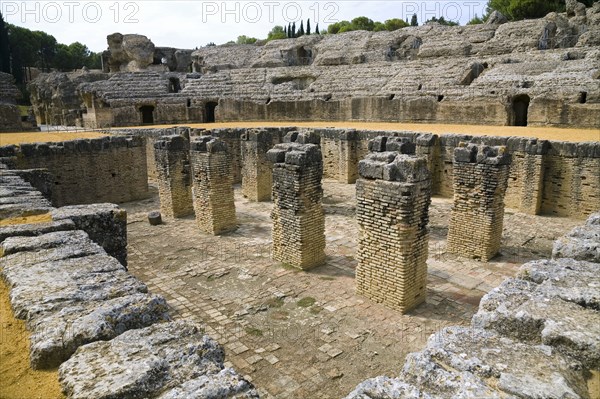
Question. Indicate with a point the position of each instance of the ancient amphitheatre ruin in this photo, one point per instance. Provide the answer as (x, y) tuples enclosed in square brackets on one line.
[(407, 214)]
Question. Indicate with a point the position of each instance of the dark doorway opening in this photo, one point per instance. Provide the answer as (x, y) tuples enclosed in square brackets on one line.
[(210, 111), (520, 105), (147, 114), (174, 85)]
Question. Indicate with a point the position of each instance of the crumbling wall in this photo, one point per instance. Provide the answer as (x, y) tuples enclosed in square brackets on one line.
[(10, 117), (84, 171)]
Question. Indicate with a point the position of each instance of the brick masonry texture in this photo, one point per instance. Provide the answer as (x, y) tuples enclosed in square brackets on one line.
[(393, 196), (174, 179), (257, 176), (480, 181), (298, 217), (212, 185)]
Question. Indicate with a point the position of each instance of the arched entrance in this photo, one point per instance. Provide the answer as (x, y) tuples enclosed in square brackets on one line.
[(210, 111), (147, 112), (520, 105)]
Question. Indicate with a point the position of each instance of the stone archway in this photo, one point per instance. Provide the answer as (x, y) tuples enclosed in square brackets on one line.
[(520, 106), (210, 111), (147, 112)]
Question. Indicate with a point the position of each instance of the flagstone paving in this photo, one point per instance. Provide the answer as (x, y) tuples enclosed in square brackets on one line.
[(298, 334)]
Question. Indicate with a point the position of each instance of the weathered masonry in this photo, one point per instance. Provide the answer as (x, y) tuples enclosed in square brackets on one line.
[(393, 196), (298, 217), (212, 185), (174, 176), (257, 176), (84, 171), (480, 180)]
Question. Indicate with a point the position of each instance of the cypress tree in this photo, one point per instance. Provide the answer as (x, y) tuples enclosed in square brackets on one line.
[(317, 29), (293, 29), (301, 31), (413, 20), (308, 27)]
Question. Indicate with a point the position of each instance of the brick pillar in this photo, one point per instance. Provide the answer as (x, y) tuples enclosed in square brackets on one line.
[(526, 176), (428, 146), (298, 217), (213, 185), (173, 173), (393, 195), (480, 180), (257, 176), (348, 161)]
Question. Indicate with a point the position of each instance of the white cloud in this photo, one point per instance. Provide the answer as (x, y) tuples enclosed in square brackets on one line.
[(193, 23)]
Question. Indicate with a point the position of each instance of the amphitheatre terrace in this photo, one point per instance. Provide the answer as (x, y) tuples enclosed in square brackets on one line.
[(321, 233)]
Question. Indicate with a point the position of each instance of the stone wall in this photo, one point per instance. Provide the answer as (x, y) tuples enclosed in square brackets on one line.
[(212, 185), (298, 217), (393, 195), (535, 335), (174, 176), (476, 220), (10, 116), (107, 169), (257, 176)]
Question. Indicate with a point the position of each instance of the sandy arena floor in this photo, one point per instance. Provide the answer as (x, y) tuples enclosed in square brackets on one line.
[(546, 133)]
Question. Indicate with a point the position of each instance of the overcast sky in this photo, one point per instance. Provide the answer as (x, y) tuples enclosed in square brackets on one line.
[(194, 23)]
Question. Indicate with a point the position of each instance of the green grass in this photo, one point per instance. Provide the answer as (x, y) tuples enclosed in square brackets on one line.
[(306, 302), (254, 332), (24, 110)]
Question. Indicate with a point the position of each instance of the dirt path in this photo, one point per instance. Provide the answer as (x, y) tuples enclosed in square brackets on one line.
[(17, 379)]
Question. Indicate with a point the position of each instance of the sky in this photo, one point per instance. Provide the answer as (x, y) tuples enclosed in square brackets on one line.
[(194, 23)]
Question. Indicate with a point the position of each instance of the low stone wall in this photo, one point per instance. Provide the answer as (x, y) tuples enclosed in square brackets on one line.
[(535, 335), (107, 169)]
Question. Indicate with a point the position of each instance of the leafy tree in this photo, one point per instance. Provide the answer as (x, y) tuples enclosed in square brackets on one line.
[(75, 56), (522, 9), (277, 32), (395, 24), (308, 26), (476, 20), (379, 27), (212, 44), (413, 20), (4, 47), (336, 27), (246, 40), (363, 23), (442, 21)]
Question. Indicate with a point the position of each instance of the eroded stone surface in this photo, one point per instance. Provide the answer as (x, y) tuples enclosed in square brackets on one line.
[(148, 363)]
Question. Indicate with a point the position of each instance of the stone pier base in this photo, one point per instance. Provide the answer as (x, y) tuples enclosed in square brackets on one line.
[(256, 169)]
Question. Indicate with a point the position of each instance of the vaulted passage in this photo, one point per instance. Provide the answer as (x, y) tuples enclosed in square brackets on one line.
[(147, 114), (210, 112), (520, 106)]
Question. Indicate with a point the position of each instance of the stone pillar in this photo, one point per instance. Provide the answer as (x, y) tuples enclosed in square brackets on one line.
[(428, 146), (257, 176), (298, 217), (348, 163), (480, 180), (173, 173), (526, 176), (393, 195), (212, 185)]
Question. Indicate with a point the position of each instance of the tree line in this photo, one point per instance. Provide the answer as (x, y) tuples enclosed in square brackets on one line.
[(21, 48)]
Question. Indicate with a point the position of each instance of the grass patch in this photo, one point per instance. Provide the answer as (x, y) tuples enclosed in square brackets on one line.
[(306, 302), (274, 302), (255, 332), (23, 110)]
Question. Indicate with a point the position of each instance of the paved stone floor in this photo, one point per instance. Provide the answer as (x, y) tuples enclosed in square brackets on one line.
[(301, 334)]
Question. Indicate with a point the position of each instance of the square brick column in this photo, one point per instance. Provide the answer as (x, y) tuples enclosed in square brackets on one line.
[(480, 180), (257, 176), (212, 185), (298, 217), (348, 163), (173, 173), (526, 176), (393, 195)]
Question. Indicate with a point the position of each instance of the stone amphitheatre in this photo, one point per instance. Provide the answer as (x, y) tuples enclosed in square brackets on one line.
[(407, 214)]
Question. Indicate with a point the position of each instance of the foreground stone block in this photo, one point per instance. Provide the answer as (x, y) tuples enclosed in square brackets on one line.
[(35, 229), (174, 177), (105, 224), (257, 175), (522, 310), (472, 363), (582, 243), (167, 360), (213, 186), (392, 213), (298, 217), (480, 181)]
